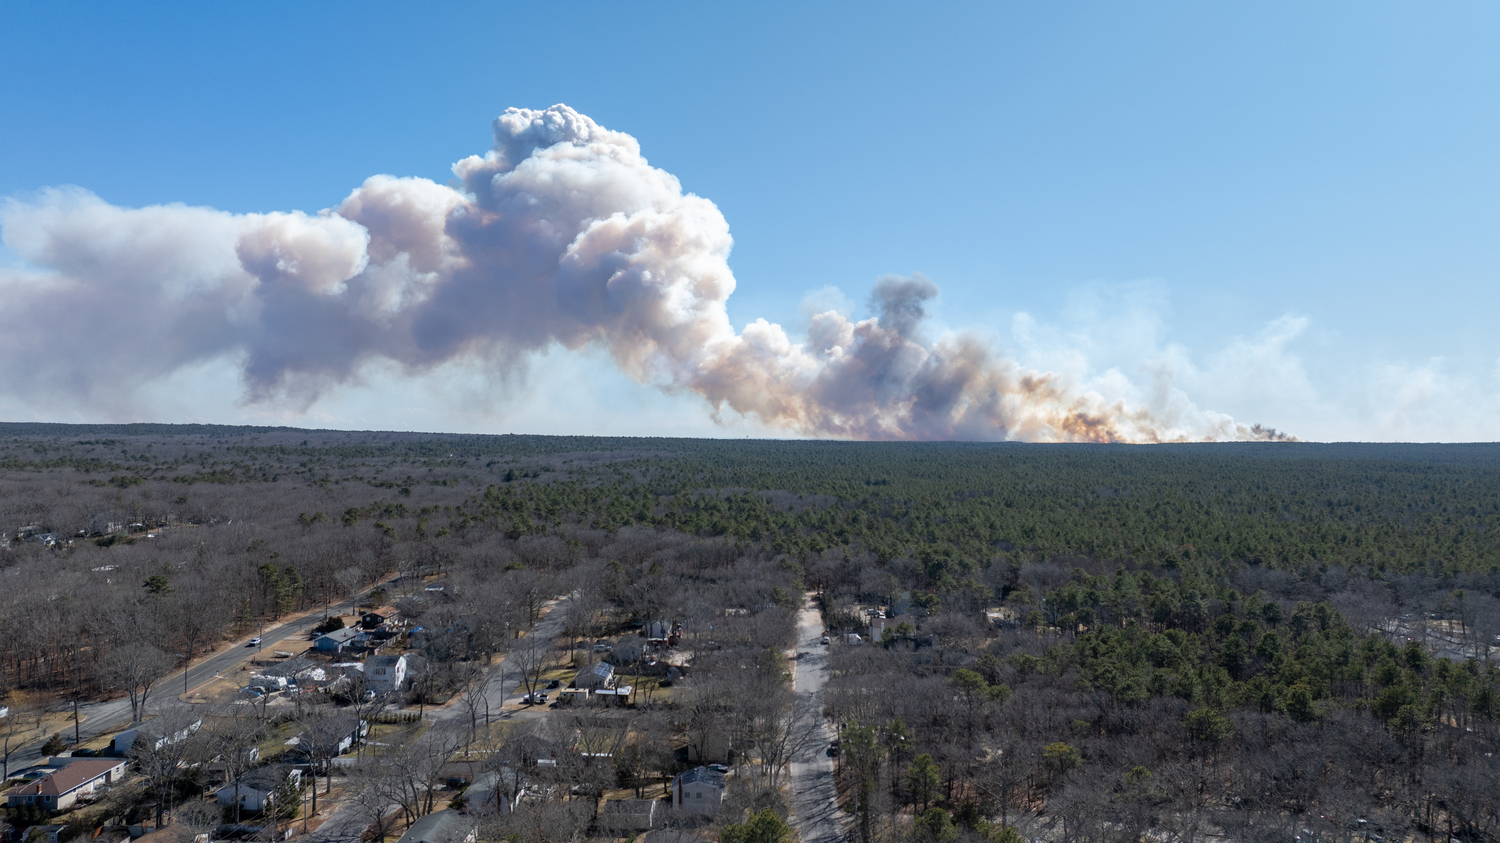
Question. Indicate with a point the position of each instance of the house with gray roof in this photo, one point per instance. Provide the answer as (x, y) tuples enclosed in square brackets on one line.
[(698, 791), (444, 826)]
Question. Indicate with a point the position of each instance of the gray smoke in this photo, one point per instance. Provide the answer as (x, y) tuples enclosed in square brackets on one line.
[(561, 234)]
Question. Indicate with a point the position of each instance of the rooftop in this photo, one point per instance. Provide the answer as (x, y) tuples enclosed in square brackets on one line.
[(72, 777), (704, 775), (439, 827)]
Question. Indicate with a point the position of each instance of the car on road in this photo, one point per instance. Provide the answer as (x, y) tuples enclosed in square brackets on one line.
[(603, 647), (824, 640), (254, 642)]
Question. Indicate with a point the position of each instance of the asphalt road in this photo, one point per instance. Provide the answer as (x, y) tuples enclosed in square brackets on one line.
[(102, 717), (815, 813), (502, 683)]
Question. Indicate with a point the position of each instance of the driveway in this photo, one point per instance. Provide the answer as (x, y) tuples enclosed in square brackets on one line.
[(815, 814)]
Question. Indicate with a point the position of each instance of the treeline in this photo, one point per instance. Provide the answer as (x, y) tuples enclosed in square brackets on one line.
[(1098, 642)]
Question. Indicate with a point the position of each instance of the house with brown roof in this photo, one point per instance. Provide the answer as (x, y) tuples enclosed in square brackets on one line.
[(58, 791)]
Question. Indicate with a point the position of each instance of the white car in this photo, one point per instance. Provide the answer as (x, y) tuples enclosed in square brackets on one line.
[(254, 642)]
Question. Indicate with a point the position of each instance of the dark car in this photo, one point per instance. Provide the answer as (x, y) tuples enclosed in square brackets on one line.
[(456, 782), (556, 683)]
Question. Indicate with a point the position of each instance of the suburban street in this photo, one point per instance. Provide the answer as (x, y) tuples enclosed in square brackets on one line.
[(501, 683), (345, 825), (815, 814), (102, 717)]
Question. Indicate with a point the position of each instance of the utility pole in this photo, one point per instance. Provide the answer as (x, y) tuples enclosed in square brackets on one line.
[(76, 739)]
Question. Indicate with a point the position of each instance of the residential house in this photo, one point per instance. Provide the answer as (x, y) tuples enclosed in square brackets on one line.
[(601, 675), (879, 625), (220, 767), (371, 621), (698, 791), (496, 792), (332, 737), (662, 629), (59, 790), (51, 833), (336, 641), (385, 673), (623, 816), (442, 827), (154, 733), (258, 789)]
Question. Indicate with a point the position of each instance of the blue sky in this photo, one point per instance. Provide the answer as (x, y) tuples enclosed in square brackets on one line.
[(1292, 209)]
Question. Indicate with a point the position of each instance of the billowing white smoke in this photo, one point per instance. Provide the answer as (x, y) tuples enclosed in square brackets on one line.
[(561, 234)]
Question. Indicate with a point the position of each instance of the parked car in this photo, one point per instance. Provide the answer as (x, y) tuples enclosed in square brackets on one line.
[(824, 641), (602, 647), (554, 684)]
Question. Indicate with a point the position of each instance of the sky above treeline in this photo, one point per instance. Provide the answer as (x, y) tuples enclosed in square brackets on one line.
[(979, 221)]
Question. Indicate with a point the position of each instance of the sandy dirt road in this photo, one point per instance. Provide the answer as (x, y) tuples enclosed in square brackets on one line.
[(816, 815)]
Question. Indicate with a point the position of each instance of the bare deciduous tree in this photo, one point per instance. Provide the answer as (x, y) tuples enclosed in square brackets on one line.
[(135, 669)]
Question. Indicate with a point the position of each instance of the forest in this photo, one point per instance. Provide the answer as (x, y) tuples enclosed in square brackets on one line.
[(1279, 641)]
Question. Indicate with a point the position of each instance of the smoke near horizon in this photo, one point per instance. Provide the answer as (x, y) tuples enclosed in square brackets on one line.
[(562, 234)]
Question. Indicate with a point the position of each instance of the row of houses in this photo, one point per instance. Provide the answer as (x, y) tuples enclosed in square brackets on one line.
[(78, 779)]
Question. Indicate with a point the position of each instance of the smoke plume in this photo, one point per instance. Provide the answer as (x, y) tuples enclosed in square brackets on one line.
[(561, 234)]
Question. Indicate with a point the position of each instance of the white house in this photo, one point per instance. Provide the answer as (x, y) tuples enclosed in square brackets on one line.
[(600, 675), (58, 791), (698, 791), (256, 790), (385, 673), (154, 734)]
